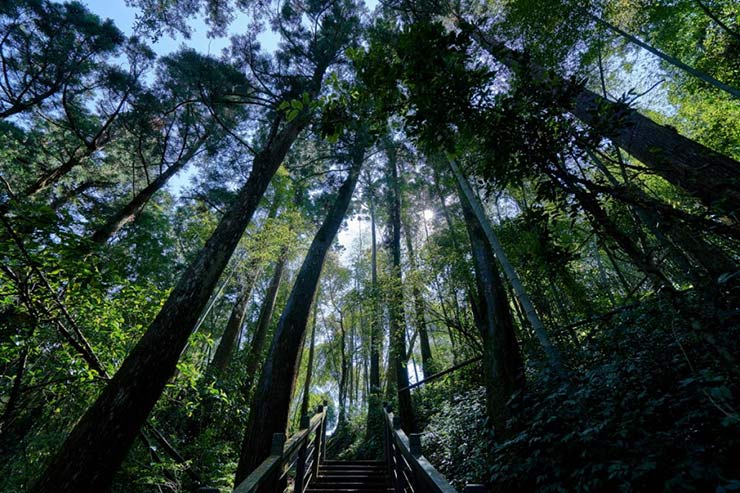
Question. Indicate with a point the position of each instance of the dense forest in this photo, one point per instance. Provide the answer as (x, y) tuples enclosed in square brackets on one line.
[(536, 203)]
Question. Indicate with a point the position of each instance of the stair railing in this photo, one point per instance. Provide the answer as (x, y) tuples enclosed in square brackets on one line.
[(410, 471), (292, 463)]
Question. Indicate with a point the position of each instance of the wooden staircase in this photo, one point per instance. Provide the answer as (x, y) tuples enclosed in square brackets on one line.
[(351, 476), (299, 465)]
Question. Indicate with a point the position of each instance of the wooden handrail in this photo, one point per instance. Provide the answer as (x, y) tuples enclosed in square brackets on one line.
[(407, 465), (409, 469), (442, 373), (283, 455)]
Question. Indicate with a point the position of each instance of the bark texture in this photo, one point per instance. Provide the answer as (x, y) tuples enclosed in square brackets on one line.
[(227, 344), (257, 344), (503, 367), (131, 211), (397, 324), (101, 439), (707, 175), (271, 402)]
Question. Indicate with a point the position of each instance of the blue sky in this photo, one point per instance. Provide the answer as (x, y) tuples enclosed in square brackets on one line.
[(125, 18)]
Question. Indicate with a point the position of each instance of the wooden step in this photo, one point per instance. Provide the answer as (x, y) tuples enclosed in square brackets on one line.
[(357, 476), (350, 490), (352, 478)]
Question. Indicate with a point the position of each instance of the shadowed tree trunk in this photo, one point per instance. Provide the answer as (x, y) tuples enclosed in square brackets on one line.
[(230, 337), (256, 345), (503, 368), (343, 376), (101, 439), (271, 402), (427, 363), (131, 211), (397, 325), (375, 321), (374, 405), (466, 194), (227, 344), (708, 175), (309, 368)]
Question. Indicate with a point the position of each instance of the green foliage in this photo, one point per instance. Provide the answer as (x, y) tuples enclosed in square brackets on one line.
[(652, 410), (456, 438)]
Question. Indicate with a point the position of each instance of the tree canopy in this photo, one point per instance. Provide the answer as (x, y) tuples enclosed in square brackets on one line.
[(515, 222)]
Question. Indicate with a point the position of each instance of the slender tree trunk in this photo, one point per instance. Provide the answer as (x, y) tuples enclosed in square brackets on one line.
[(503, 367), (467, 195), (256, 345), (718, 21), (343, 374), (667, 58), (600, 221), (648, 219), (374, 407), (453, 236), (710, 176), (131, 211), (101, 439), (427, 363), (309, 368), (351, 352), (226, 346), (230, 336), (602, 274), (397, 330), (375, 319), (271, 402)]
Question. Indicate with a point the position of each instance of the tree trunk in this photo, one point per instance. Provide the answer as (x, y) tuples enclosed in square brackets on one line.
[(600, 221), (427, 363), (375, 319), (132, 210), (718, 21), (343, 375), (230, 336), (503, 368), (467, 195), (667, 58), (99, 442), (397, 324), (374, 406), (226, 346), (309, 368), (710, 176), (271, 402), (257, 343)]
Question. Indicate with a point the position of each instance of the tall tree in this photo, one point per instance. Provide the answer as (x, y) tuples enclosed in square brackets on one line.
[(503, 367), (123, 406), (398, 357), (667, 153), (271, 401)]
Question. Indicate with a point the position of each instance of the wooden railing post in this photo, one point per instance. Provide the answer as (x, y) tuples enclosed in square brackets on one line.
[(398, 477), (323, 432), (415, 444), (387, 441), (317, 444), (300, 468), (271, 484), (416, 452)]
